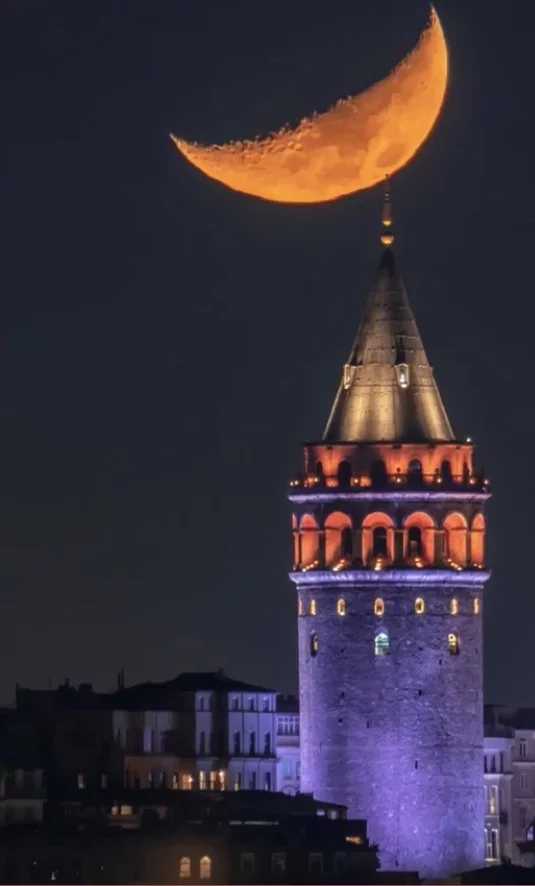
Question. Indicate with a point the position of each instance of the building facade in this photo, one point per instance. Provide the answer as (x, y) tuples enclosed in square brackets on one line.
[(287, 745), (388, 530)]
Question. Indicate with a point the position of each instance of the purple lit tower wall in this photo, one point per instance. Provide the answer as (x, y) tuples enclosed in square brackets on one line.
[(389, 530)]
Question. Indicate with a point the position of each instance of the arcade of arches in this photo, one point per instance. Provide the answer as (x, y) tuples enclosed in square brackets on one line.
[(377, 542)]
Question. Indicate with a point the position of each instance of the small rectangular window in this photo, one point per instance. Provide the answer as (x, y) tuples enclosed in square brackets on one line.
[(278, 863), (523, 781), (247, 863), (340, 862), (315, 862), (522, 748), (80, 781)]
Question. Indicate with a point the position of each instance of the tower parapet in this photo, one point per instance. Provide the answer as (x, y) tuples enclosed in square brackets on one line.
[(389, 563)]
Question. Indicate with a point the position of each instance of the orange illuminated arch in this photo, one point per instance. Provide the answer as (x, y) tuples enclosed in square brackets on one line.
[(309, 540), (373, 528), (456, 537), (419, 538), (295, 542), (338, 538), (477, 540)]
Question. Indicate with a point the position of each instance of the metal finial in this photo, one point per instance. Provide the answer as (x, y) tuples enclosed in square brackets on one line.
[(387, 235)]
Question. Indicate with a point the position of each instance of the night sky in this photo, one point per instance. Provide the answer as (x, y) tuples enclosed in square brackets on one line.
[(166, 343)]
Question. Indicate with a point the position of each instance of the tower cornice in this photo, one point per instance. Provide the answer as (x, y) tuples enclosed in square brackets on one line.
[(366, 495), (358, 577)]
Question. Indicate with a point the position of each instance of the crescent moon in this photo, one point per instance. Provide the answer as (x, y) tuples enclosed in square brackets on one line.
[(348, 148)]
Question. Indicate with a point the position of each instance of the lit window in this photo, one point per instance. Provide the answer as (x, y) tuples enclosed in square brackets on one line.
[(213, 781), (341, 606), (312, 607), (349, 373), (382, 644), (237, 781), (80, 781), (314, 644), (185, 867), (379, 607), (299, 607), (402, 372), (202, 780), (493, 800), (223, 780), (453, 644), (476, 604), (205, 867), (419, 606), (454, 606), (186, 782)]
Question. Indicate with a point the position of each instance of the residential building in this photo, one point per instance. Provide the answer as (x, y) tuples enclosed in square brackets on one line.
[(287, 745)]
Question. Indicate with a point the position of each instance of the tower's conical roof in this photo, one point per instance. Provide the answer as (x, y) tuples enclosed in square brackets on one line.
[(388, 392)]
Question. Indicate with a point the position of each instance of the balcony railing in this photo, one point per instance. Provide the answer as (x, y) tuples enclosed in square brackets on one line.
[(476, 482)]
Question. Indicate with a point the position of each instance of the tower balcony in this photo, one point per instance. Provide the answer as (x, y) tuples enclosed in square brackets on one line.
[(314, 484)]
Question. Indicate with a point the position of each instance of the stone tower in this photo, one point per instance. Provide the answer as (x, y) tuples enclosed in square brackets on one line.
[(388, 531)]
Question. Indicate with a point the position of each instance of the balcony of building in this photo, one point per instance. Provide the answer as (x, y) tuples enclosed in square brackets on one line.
[(408, 481)]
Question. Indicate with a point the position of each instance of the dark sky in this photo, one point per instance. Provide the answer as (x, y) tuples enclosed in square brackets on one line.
[(165, 343)]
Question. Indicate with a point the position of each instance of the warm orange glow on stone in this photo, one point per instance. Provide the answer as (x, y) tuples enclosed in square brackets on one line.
[(352, 146), (456, 531), (477, 540)]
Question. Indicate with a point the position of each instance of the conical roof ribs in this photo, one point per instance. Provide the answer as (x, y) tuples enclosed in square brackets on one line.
[(388, 392)]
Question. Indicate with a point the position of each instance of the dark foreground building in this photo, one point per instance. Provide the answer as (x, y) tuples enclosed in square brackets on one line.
[(245, 837), (389, 566)]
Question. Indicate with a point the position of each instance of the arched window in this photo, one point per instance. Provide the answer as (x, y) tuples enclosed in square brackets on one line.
[(453, 643), (419, 539), (477, 540), (454, 606), (379, 542), (347, 542), (312, 607), (415, 471), (205, 867), (185, 867), (295, 539), (314, 644), (338, 539), (476, 605), (341, 606), (415, 541), (456, 534), (419, 606), (378, 475), (445, 470), (309, 538), (373, 541), (382, 644), (344, 474), (299, 607), (378, 606)]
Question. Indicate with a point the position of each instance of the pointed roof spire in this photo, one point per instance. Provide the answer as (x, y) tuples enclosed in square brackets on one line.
[(387, 234), (388, 392)]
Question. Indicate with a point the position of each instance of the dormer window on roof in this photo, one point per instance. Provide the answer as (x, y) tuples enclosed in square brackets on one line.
[(402, 374), (349, 374)]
